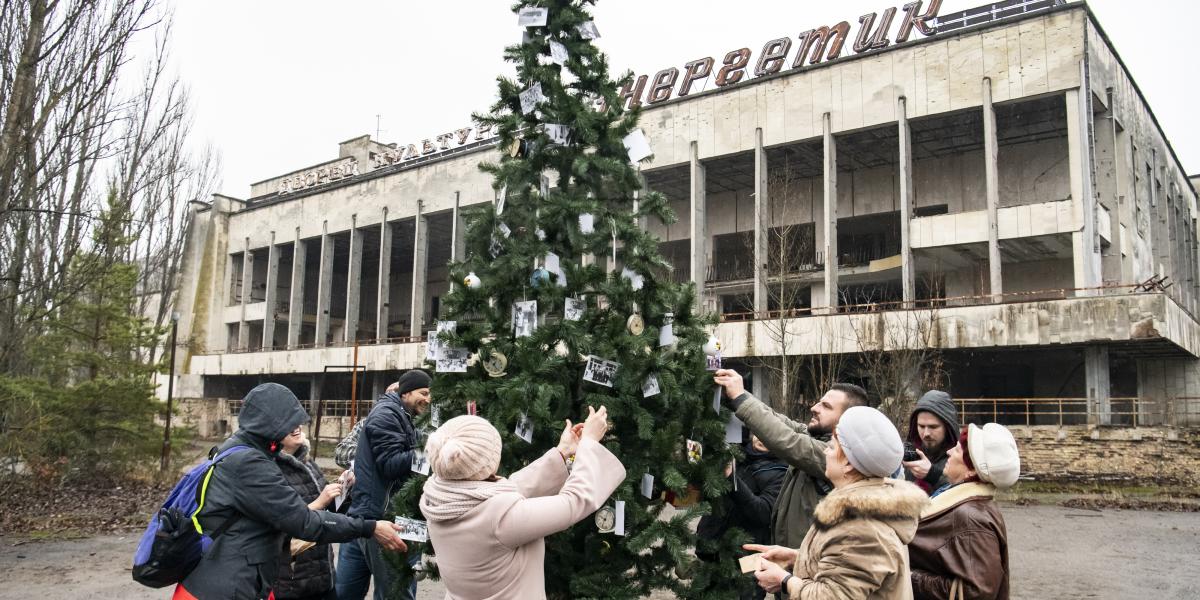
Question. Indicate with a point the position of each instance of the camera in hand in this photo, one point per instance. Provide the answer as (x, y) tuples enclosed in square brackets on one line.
[(910, 452)]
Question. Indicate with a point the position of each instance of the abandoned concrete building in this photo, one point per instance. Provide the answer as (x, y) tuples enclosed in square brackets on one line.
[(998, 189)]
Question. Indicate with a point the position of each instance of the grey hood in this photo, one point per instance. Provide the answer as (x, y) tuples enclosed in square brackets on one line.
[(940, 405), (270, 412)]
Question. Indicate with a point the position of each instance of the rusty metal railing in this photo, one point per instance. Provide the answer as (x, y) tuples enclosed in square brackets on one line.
[(1121, 411)]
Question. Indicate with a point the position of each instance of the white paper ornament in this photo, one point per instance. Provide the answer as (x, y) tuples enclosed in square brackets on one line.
[(587, 223), (532, 17), (636, 144), (712, 346), (558, 53), (472, 281)]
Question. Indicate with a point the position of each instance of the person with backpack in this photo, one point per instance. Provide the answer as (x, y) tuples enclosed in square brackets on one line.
[(246, 496), (305, 573), (382, 463)]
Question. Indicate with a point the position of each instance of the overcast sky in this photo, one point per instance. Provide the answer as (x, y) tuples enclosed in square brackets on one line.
[(277, 84)]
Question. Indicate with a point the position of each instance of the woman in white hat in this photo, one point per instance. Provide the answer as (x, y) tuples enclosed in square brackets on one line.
[(961, 548), (855, 547), (488, 530)]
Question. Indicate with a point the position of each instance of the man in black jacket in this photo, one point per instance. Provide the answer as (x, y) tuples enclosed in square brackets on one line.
[(247, 486), (933, 431), (382, 463)]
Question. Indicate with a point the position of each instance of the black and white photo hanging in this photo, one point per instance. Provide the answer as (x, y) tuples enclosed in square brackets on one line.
[(420, 462), (500, 199), (554, 266), (666, 335), (558, 53), (600, 371), (587, 30), (651, 387), (647, 486), (531, 97), (524, 429), (435, 416), (524, 318), (432, 346), (587, 223), (558, 134), (452, 360), (574, 309), (532, 17)]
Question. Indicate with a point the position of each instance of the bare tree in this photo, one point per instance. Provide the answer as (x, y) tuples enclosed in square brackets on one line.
[(78, 137), (898, 357)]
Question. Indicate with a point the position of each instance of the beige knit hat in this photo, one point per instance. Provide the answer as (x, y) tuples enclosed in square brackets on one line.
[(465, 448)]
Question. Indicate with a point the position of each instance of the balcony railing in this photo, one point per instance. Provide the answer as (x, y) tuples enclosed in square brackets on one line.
[(1128, 412)]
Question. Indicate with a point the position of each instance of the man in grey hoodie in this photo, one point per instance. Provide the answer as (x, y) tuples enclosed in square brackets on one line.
[(933, 430)]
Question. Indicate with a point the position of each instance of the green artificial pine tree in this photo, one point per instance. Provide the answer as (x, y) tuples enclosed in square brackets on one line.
[(567, 192)]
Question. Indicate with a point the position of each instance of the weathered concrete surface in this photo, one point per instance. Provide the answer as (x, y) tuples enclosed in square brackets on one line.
[(1054, 552), (1103, 319)]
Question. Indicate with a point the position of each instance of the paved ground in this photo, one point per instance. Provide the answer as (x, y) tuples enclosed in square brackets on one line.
[(1056, 552)]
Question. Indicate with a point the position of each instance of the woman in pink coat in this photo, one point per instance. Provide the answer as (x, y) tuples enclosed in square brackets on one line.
[(488, 530)]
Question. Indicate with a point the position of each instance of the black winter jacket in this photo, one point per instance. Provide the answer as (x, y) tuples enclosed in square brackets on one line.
[(383, 460), (759, 478), (311, 572), (243, 563)]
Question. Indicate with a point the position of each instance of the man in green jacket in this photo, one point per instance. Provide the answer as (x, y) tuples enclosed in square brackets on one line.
[(801, 446)]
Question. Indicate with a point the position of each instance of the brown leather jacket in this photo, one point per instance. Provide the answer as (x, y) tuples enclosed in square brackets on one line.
[(961, 536)]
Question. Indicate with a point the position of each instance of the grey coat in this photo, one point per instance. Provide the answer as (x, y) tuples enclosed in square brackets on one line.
[(243, 563), (804, 483)]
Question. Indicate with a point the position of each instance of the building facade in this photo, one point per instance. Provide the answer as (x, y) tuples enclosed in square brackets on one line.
[(998, 189)]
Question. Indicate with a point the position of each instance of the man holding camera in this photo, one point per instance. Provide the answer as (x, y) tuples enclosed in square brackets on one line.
[(932, 432)]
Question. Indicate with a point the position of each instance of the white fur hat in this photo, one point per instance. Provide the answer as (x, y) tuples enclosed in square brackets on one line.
[(994, 453)]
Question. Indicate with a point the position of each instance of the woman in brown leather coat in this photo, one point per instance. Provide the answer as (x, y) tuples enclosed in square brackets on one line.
[(960, 551)]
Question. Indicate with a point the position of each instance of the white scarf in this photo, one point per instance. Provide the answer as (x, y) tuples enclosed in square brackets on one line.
[(445, 500)]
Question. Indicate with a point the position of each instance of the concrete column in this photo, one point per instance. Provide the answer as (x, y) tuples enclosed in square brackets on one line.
[(353, 283), (699, 227), (907, 268), (762, 225), (830, 293), (324, 286), (272, 295), (385, 275), (378, 385), (992, 190), (296, 301), (1095, 364), (243, 342), (458, 234), (420, 270), (1083, 202), (762, 384)]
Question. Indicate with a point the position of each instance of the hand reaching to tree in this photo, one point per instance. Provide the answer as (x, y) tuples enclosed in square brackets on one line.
[(569, 440), (731, 381), (596, 425)]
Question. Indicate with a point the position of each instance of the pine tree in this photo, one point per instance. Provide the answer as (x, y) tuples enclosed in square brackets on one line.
[(544, 185)]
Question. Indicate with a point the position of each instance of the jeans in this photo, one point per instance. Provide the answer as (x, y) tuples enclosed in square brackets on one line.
[(357, 562)]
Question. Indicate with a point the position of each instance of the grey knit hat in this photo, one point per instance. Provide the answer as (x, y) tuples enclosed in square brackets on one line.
[(870, 441)]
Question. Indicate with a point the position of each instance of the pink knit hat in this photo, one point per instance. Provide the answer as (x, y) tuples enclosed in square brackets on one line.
[(464, 448)]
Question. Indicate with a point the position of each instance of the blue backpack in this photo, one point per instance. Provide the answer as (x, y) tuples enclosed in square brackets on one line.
[(173, 541)]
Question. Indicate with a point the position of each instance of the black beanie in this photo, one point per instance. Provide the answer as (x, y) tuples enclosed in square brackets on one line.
[(412, 380)]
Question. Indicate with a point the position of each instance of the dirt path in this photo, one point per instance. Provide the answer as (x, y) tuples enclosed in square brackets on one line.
[(1056, 553)]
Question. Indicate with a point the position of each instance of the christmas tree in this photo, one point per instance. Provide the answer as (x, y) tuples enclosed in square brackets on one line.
[(563, 301)]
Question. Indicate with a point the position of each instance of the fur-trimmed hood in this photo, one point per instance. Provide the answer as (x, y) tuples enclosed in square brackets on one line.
[(894, 502)]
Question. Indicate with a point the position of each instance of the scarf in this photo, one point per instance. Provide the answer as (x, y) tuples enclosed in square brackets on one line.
[(445, 500)]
